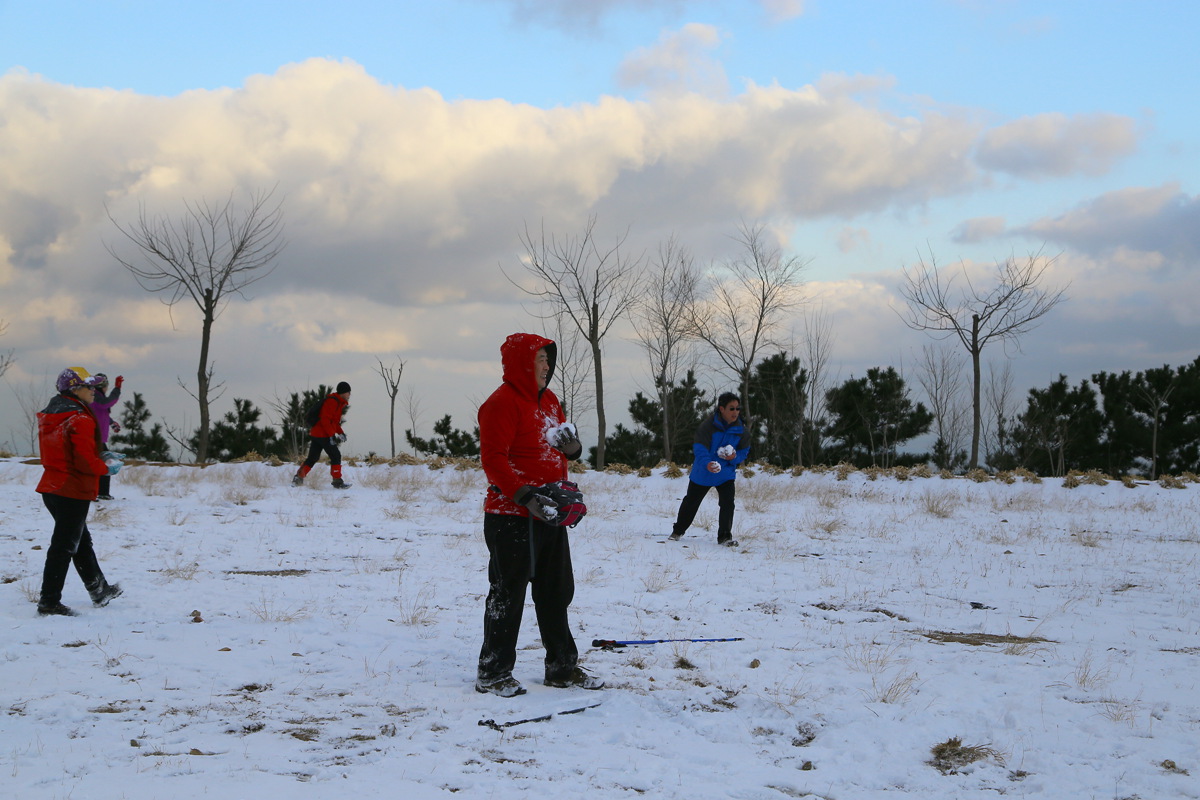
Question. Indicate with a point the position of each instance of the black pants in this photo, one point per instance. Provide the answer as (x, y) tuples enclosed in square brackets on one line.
[(553, 582), (691, 504), (105, 485), (71, 542), (316, 445)]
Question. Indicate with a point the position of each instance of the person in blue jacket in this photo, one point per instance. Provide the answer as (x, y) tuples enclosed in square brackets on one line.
[(722, 443)]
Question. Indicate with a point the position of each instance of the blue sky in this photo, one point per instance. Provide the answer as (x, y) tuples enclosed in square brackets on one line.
[(862, 133)]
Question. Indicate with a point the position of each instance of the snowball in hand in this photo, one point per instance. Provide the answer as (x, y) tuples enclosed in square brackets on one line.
[(554, 432), (726, 451)]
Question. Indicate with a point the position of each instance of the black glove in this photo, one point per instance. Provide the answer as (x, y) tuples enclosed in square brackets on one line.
[(539, 505), (337, 439), (559, 504), (566, 441)]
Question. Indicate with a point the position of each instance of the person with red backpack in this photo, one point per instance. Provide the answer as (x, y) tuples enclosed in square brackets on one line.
[(525, 443), (72, 463), (325, 435)]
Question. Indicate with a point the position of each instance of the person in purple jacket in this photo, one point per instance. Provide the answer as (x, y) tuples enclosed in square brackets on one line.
[(102, 407)]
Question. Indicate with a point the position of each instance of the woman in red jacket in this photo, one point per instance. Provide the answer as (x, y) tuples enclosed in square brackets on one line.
[(524, 443), (70, 443), (326, 435)]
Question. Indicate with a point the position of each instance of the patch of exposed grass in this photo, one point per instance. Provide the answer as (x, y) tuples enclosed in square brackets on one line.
[(952, 755), (984, 639)]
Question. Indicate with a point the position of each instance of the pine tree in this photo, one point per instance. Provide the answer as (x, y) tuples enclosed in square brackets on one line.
[(238, 434), (447, 441), (134, 440)]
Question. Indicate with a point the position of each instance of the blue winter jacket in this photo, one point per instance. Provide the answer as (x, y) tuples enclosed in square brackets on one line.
[(713, 434)]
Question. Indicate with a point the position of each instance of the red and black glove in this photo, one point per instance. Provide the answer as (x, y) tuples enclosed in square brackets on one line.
[(114, 426), (119, 381)]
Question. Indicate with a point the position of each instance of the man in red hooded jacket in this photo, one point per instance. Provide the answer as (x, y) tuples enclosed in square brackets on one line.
[(524, 444), (70, 443)]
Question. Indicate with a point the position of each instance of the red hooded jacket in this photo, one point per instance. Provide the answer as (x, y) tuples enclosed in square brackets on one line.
[(513, 424), (330, 421), (70, 443)]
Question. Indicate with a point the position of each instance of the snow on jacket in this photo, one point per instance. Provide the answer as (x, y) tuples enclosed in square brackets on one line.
[(330, 420), (102, 408), (70, 443), (711, 436), (513, 423)]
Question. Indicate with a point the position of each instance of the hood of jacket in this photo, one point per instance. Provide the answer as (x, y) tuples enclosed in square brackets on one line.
[(62, 403), (517, 355)]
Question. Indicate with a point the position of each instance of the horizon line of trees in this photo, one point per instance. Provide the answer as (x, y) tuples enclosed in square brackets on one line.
[(1142, 423)]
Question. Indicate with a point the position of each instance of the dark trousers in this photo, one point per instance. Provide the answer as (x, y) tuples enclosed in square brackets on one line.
[(105, 485), (691, 504), (553, 582), (316, 445), (71, 542)]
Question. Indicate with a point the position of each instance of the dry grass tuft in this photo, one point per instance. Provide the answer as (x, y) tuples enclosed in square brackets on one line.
[(952, 755), (940, 504), (978, 475)]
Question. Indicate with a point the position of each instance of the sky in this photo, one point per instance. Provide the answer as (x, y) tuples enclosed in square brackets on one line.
[(275, 642), (410, 145)]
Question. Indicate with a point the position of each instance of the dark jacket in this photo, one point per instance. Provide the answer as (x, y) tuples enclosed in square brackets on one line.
[(70, 443), (711, 436), (513, 423)]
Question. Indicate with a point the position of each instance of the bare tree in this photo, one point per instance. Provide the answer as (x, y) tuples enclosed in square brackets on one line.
[(818, 347), (591, 285), (940, 374), (574, 368), (391, 382), (1012, 307), (997, 426), (30, 400), (6, 359), (210, 251), (412, 407), (746, 306), (661, 323)]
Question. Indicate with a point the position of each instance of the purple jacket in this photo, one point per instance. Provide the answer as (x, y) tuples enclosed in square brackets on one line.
[(102, 408)]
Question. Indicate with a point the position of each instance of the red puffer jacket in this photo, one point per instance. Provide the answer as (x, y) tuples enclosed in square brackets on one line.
[(70, 444), (513, 424), (330, 421)]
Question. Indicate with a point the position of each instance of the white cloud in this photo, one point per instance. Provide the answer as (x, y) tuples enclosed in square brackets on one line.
[(979, 229), (1054, 145), (1158, 219), (678, 62)]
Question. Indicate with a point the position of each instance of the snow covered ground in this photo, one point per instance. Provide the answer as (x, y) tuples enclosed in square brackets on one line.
[(304, 642)]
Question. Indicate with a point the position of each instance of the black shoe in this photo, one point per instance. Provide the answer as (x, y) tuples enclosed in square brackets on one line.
[(109, 592), (55, 609), (675, 537), (727, 542), (507, 686), (577, 678), (105, 497), (338, 483), (297, 480)]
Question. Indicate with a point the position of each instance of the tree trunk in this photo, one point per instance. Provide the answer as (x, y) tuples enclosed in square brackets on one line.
[(976, 408), (392, 424), (601, 427), (664, 395), (202, 376)]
